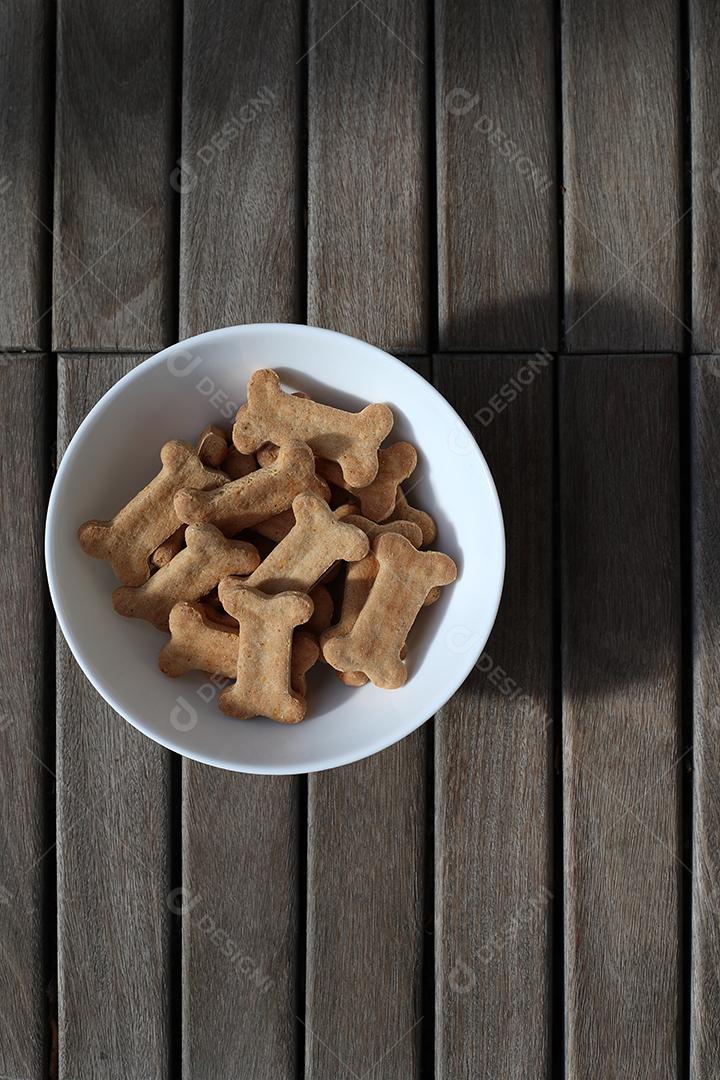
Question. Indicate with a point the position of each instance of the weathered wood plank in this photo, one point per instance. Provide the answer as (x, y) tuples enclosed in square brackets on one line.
[(240, 262), (240, 927), (25, 186), (114, 250), (704, 17), (367, 185), (113, 813), (493, 768), (26, 785), (622, 174), (497, 235), (365, 883), (705, 997), (365, 915), (240, 177), (619, 486)]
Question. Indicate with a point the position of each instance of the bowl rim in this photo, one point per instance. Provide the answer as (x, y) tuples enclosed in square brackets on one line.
[(96, 678)]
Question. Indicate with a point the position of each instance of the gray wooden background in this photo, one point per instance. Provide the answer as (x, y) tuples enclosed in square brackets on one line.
[(522, 199)]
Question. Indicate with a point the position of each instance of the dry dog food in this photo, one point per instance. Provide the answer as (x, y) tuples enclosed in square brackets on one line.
[(350, 439), (399, 590), (128, 540), (230, 550)]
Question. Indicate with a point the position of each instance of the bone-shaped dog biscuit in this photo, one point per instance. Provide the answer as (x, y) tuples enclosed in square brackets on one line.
[(377, 500), (405, 512), (404, 579), (372, 530), (197, 569), (314, 543), (265, 636), (216, 612), (166, 552), (212, 446), (128, 540), (254, 497), (359, 580), (276, 528), (237, 465), (322, 609), (198, 643), (360, 576), (350, 439), (212, 449), (305, 653)]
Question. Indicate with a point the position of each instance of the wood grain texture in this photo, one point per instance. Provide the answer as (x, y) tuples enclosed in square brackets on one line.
[(622, 175), (114, 250), (365, 911), (493, 768), (240, 929), (619, 489), (497, 232), (367, 182), (25, 185), (365, 916), (704, 20), (26, 785), (240, 262), (113, 812), (240, 180), (705, 992)]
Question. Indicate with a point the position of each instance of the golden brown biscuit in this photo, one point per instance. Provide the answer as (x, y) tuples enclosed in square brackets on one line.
[(255, 497), (198, 643), (405, 512), (359, 580), (305, 653), (322, 609), (314, 543), (377, 500), (404, 579), (128, 540), (265, 635), (169, 548), (212, 446), (276, 528), (237, 465), (408, 529), (216, 612), (351, 439), (196, 570), (372, 530), (212, 449), (266, 454)]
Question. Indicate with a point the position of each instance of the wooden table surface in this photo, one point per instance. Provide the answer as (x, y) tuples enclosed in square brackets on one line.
[(522, 199)]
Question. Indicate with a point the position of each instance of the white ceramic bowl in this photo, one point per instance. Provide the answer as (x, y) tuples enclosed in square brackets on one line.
[(174, 395)]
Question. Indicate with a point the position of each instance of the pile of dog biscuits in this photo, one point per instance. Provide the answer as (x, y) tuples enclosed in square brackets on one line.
[(259, 609)]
